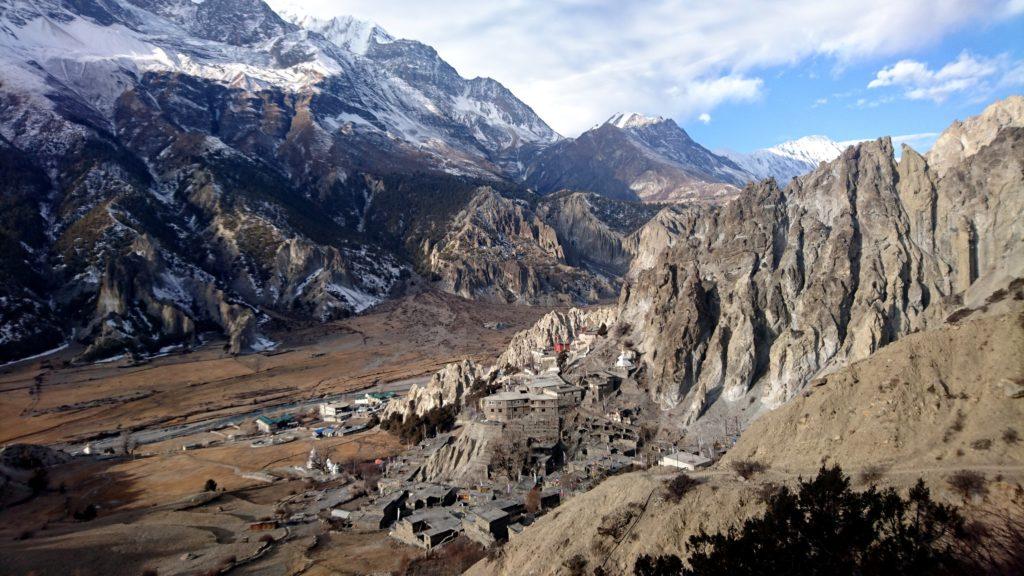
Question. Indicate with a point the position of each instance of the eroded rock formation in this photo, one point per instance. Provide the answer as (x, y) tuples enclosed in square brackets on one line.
[(755, 298)]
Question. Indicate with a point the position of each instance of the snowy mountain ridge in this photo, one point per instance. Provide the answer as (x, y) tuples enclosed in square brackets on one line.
[(96, 51)]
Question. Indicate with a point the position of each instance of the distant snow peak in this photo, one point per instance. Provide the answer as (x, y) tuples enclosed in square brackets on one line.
[(810, 148), (626, 120), (346, 32), (789, 159)]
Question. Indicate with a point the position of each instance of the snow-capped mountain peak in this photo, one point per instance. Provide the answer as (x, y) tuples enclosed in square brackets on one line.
[(346, 32), (810, 148), (789, 159), (627, 120)]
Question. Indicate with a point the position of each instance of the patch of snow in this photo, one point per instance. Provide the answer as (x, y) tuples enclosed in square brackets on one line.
[(262, 343), (111, 359), (626, 120), (358, 300)]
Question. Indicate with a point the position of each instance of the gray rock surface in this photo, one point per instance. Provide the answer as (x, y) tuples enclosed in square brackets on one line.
[(755, 298)]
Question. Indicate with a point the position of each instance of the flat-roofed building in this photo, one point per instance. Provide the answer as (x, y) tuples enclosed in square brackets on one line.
[(505, 406), (684, 460), (270, 424), (336, 411)]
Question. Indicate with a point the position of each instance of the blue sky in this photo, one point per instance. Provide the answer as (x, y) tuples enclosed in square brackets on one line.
[(791, 104), (739, 74)]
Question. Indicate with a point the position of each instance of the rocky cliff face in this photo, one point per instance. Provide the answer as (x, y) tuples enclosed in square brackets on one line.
[(753, 299), (555, 326), (594, 230), (499, 248), (466, 459), (964, 139), (446, 387)]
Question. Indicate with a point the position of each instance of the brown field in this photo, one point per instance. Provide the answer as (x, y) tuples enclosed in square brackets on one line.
[(411, 337), (148, 515)]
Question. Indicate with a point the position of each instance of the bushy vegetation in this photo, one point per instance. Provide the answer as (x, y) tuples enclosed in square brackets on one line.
[(748, 468), (39, 481), (576, 565), (1011, 436), (449, 560), (86, 514), (678, 487), (968, 483), (826, 528), (413, 428), (872, 474)]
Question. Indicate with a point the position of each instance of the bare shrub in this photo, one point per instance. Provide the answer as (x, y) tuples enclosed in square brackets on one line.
[(767, 491), (991, 544), (982, 444), (1010, 436), (449, 560), (576, 565), (872, 474), (955, 427), (510, 455), (615, 524), (968, 483), (495, 552), (747, 469), (678, 487)]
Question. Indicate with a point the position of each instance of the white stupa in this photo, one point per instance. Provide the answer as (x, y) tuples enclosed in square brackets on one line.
[(625, 360)]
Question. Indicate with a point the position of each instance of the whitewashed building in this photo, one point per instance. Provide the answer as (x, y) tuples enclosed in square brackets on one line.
[(684, 460)]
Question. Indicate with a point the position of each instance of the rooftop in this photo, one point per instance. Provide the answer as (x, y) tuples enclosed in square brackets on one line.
[(505, 396), (689, 458), (546, 380), (282, 419), (491, 514)]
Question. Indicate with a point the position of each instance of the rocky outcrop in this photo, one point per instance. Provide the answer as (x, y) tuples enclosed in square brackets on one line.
[(145, 302), (964, 139), (497, 248), (464, 460), (755, 298), (920, 401), (928, 406), (593, 230), (448, 386), (555, 326)]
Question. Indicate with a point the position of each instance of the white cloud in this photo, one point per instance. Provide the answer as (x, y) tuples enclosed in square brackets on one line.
[(577, 62), (705, 118), (968, 73)]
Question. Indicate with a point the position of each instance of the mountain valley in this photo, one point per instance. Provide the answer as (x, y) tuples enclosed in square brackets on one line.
[(283, 294)]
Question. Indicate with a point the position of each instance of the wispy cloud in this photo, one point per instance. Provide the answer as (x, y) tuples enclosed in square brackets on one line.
[(968, 73), (579, 61), (705, 118), (921, 142)]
